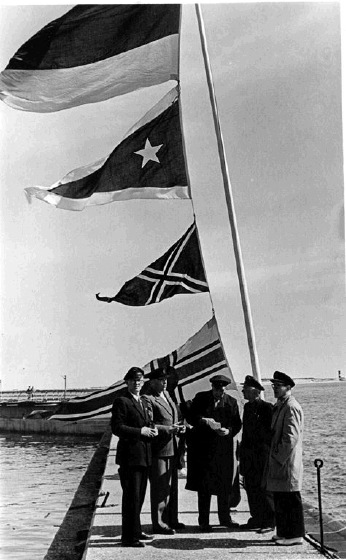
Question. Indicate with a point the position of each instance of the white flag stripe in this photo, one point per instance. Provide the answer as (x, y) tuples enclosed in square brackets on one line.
[(44, 91), (106, 409), (203, 372), (177, 275)]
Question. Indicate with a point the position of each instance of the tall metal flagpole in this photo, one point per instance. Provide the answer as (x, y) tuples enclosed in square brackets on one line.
[(230, 206)]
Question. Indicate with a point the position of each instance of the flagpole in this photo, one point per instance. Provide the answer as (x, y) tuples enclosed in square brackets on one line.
[(230, 206)]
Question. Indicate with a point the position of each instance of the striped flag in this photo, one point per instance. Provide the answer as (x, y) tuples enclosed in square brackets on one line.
[(200, 358), (148, 163), (179, 271), (92, 53)]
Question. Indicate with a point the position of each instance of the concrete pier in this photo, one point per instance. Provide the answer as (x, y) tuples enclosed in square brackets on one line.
[(103, 542)]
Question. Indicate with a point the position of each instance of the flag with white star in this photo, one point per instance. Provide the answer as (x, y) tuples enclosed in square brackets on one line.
[(148, 163), (179, 271)]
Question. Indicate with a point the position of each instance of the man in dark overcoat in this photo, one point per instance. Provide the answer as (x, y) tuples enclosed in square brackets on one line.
[(254, 451), (131, 422), (165, 455), (211, 466)]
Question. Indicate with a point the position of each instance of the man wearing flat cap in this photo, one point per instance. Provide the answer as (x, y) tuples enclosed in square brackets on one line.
[(285, 464), (131, 422), (211, 466), (254, 451), (164, 469)]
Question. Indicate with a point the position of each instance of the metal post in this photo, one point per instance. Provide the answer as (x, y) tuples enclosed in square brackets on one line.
[(230, 206), (64, 376), (319, 464)]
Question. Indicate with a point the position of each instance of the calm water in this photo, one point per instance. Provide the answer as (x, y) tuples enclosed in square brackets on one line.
[(40, 474)]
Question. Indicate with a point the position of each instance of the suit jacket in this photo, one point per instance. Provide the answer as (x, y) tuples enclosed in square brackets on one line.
[(285, 464), (128, 417), (164, 413)]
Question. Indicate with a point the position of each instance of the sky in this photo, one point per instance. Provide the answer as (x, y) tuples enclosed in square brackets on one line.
[(277, 77)]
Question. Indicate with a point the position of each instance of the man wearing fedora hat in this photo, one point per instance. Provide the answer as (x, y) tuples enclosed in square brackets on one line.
[(131, 422), (285, 463), (164, 469), (254, 451), (211, 466)]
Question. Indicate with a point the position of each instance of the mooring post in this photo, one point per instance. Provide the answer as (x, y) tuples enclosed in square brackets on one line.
[(319, 464)]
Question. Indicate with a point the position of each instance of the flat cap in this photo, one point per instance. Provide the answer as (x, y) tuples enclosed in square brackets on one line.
[(252, 382), (161, 372), (282, 378), (134, 373), (220, 379)]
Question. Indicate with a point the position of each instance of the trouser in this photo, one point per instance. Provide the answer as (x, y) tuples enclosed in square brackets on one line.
[(170, 514), (161, 474), (134, 483), (261, 504), (204, 499), (289, 514)]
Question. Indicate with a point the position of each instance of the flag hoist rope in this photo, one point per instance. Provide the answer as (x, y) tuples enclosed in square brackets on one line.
[(230, 206)]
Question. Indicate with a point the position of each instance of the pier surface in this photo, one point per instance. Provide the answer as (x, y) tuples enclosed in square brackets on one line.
[(103, 542)]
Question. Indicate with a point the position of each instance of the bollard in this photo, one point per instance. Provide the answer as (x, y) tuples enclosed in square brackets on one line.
[(105, 500), (319, 464)]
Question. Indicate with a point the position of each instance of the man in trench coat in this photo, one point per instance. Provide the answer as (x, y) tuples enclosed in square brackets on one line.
[(285, 463), (211, 465)]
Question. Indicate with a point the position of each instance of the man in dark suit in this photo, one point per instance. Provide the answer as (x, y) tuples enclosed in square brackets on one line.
[(164, 470), (131, 422), (254, 452), (215, 418)]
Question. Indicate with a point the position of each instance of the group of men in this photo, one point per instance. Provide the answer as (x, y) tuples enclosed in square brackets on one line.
[(151, 428)]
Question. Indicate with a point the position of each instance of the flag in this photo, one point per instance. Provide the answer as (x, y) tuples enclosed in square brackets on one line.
[(198, 359), (92, 53), (148, 163), (179, 271)]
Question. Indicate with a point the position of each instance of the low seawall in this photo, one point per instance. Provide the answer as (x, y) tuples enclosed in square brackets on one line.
[(85, 427), (70, 539)]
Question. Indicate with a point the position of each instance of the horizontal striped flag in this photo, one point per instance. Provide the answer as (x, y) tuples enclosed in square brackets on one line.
[(200, 358), (92, 53), (148, 163), (179, 271)]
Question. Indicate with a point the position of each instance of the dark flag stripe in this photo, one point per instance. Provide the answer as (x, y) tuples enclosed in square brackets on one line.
[(121, 175), (179, 271), (92, 53), (200, 357)]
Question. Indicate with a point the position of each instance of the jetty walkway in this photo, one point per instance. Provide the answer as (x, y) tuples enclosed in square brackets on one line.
[(103, 542)]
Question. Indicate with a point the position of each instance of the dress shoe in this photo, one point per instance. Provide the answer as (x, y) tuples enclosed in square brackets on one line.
[(164, 531), (251, 525), (178, 526), (289, 542), (230, 524), (145, 537), (206, 528), (276, 538), (264, 530), (133, 544)]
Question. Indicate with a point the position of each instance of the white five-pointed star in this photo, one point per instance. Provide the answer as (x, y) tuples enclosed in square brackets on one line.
[(149, 153)]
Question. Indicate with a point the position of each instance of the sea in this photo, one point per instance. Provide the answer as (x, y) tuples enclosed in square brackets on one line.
[(39, 474)]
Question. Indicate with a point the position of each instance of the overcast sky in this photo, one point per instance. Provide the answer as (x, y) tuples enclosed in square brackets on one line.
[(277, 74)]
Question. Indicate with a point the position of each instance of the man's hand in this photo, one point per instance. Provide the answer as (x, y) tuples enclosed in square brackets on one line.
[(222, 432), (177, 428), (149, 432)]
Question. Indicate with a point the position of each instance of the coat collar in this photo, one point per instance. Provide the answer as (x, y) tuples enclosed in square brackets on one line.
[(140, 406), (167, 404)]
